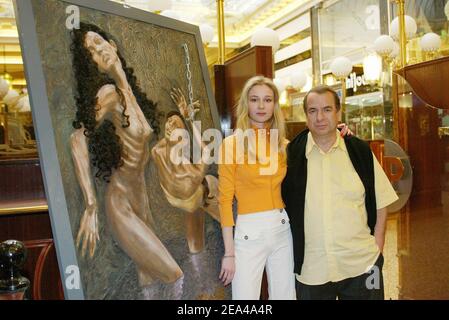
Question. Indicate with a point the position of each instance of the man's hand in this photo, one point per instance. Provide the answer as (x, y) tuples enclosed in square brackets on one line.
[(88, 232), (380, 240), (345, 131), (380, 228)]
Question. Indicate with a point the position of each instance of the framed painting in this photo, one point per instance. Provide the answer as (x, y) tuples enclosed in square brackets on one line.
[(108, 84)]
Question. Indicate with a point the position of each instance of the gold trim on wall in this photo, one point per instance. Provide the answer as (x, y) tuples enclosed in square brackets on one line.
[(23, 210)]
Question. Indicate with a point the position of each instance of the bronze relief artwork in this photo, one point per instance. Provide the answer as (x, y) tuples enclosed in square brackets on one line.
[(142, 227)]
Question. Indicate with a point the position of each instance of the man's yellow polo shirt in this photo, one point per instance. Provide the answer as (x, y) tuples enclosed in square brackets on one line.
[(338, 243)]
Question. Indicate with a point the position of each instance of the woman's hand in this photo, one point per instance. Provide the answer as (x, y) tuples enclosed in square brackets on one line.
[(88, 232), (227, 269), (345, 131)]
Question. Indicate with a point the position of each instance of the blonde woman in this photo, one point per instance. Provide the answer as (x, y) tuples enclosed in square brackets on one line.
[(262, 236)]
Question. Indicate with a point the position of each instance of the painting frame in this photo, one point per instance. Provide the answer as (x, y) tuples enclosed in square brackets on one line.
[(45, 136)]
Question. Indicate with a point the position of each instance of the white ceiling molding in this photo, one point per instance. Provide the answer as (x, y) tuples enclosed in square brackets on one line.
[(294, 49)]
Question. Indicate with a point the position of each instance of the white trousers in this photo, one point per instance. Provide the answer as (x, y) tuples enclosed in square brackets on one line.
[(263, 239)]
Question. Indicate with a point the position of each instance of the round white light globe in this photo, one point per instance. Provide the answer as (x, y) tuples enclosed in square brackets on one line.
[(23, 105), (11, 98), (298, 79), (280, 84), (266, 37), (4, 88), (341, 67), (207, 33), (430, 42), (384, 45), (410, 27), (395, 53)]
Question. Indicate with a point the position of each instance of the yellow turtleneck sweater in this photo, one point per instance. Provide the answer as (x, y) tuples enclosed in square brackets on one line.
[(254, 190)]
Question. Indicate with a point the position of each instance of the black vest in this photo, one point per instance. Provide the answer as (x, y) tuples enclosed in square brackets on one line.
[(294, 186)]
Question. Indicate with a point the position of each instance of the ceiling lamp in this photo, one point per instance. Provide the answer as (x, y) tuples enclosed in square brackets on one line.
[(410, 28), (266, 37)]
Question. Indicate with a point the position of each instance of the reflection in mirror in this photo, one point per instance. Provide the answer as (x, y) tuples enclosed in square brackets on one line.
[(17, 138)]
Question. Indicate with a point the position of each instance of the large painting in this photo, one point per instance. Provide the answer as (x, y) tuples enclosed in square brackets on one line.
[(108, 86)]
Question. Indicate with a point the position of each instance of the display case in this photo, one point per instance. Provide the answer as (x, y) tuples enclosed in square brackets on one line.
[(365, 115)]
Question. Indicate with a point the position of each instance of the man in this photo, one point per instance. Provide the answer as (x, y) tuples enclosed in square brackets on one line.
[(186, 186), (336, 195)]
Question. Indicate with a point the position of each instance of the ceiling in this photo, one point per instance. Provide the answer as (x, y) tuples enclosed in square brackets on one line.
[(242, 18)]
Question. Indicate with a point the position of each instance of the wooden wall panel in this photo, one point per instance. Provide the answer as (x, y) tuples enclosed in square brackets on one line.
[(424, 150), (254, 61), (35, 231), (20, 180)]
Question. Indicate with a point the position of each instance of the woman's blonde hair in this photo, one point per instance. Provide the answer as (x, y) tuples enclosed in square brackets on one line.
[(242, 109)]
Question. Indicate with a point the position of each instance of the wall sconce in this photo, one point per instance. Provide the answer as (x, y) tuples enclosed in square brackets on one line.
[(266, 37), (430, 44)]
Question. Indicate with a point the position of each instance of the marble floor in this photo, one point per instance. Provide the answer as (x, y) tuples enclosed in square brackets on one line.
[(391, 263), (416, 252)]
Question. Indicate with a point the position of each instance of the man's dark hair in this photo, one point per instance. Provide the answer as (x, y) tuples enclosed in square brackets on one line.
[(322, 89)]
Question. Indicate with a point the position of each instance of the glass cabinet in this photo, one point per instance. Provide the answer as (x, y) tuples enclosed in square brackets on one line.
[(365, 115)]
